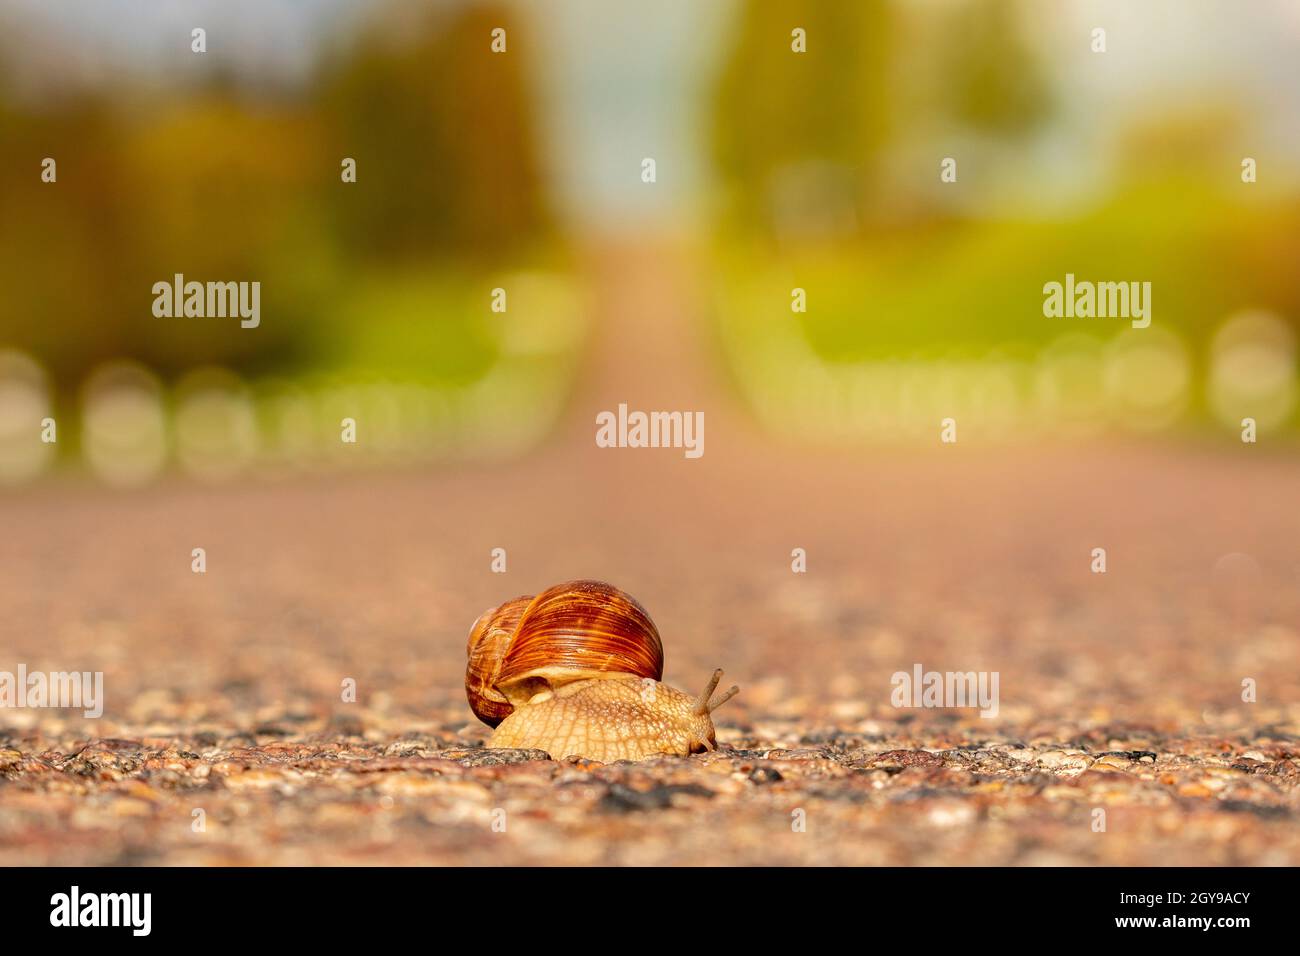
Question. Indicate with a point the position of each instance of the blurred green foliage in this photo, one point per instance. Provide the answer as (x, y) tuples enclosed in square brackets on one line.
[(804, 135), (898, 265), (979, 284), (224, 183)]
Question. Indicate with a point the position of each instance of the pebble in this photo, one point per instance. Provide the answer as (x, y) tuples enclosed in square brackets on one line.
[(765, 775), (1113, 762), (1065, 762), (622, 799), (908, 758), (261, 780), (951, 814)]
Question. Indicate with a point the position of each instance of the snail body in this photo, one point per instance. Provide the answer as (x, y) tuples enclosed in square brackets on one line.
[(575, 671)]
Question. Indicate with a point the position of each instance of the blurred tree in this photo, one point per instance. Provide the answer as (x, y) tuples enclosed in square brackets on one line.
[(796, 134), (63, 245), (223, 182), (992, 79), (220, 191), (203, 187), (441, 128)]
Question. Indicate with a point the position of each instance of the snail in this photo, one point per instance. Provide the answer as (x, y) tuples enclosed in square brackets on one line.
[(575, 671)]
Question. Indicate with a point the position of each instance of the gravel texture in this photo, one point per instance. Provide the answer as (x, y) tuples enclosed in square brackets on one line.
[(1120, 692)]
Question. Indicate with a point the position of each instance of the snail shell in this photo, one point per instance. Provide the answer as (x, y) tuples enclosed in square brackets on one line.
[(576, 631)]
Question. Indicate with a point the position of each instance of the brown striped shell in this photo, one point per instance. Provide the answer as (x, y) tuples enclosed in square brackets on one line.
[(570, 632)]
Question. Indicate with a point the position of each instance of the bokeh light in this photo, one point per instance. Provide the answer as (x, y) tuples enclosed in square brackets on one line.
[(216, 424), (24, 402), (1068, 384), (124, 429), (1148, 375), (287, 426), (1253, 371)]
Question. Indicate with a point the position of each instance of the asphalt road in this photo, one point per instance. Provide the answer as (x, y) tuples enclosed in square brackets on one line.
[(1119, 692)]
